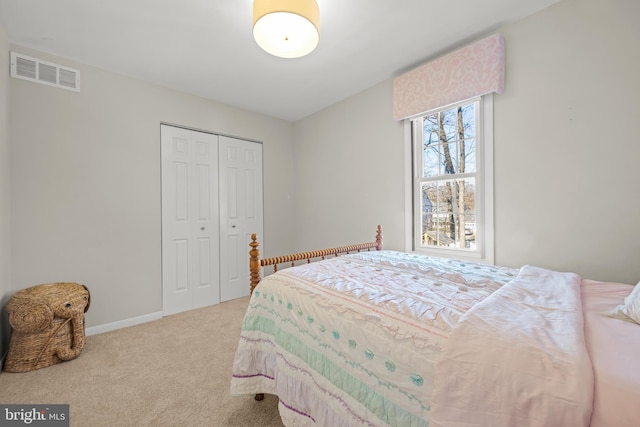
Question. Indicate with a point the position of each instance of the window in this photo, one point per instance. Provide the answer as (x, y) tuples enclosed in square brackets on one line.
[(450, 191)]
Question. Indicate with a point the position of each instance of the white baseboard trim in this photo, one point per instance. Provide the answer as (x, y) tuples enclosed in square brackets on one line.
[(107, 327)]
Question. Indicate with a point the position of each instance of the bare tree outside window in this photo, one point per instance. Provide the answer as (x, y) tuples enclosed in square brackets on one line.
[(448, 184)]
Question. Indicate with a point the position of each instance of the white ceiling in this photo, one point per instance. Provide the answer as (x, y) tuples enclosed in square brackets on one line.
[(206, 48)]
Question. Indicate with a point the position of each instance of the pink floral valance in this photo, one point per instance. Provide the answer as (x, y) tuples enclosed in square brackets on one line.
[(474, 70)]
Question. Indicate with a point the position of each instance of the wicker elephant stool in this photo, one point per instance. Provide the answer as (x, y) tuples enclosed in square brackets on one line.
[(48, 325)]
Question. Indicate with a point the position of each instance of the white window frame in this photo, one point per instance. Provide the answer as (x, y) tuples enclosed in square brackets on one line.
[(484, 251)]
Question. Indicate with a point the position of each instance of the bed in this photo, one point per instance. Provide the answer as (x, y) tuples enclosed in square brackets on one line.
[(371, 337)]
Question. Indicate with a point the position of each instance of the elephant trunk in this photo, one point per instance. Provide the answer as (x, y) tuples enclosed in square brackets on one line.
[(75, 346)]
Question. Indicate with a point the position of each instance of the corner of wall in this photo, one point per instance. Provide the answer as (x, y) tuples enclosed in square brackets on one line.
[(5, 191)]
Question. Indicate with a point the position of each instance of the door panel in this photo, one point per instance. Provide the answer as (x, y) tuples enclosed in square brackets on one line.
[(181, 264), (190, 227), (250, 190), (240, 169)]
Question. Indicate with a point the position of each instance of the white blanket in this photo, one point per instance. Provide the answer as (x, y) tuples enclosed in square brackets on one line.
[(518, 358)]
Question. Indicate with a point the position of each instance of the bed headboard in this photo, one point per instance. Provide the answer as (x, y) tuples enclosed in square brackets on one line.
[(256, 264)]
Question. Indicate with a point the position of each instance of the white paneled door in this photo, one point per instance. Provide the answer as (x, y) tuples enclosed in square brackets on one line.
[(240, 177), (211, 204), (190, 220)]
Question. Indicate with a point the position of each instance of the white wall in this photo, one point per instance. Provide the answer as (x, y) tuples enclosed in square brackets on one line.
[(349, 168), (5, 196), (86, 183), (568, 141), (567, 145)]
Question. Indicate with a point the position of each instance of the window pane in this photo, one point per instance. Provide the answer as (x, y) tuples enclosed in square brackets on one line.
[(449, 158), (469, 159), (431, 157), (469, 190), (430, 126), (431, 216), (469, 120), (449, 124), (448, 213), (470, 231), (428, 200)]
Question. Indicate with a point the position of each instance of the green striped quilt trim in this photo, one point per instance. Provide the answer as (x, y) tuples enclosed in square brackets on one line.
[(383, 408)]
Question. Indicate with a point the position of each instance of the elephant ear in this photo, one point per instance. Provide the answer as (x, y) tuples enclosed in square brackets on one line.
[(29, 316), (88, 298)]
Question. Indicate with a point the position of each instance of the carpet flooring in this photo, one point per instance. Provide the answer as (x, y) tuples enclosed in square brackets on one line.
[(170, 372)]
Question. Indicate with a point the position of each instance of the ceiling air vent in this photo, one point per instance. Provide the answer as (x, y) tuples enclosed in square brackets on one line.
[(43, 72)]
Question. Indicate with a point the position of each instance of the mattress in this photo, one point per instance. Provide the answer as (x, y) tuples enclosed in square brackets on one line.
[(614, 346)]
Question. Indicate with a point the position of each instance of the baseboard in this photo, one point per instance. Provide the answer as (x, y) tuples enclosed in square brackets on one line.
[(94, 330)]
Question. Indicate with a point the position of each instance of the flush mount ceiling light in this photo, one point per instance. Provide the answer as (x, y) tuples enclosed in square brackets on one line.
[(286, 28)]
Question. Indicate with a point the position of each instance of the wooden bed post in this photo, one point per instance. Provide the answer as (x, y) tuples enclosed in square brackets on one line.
[(379, 238), (254, 263)]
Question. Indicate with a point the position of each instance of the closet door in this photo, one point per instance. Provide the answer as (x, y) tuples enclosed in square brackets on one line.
[(240, 174), (190, 223)]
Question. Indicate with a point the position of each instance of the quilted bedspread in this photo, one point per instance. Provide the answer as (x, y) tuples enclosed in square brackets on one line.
[(354, 340), (518, 358)]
